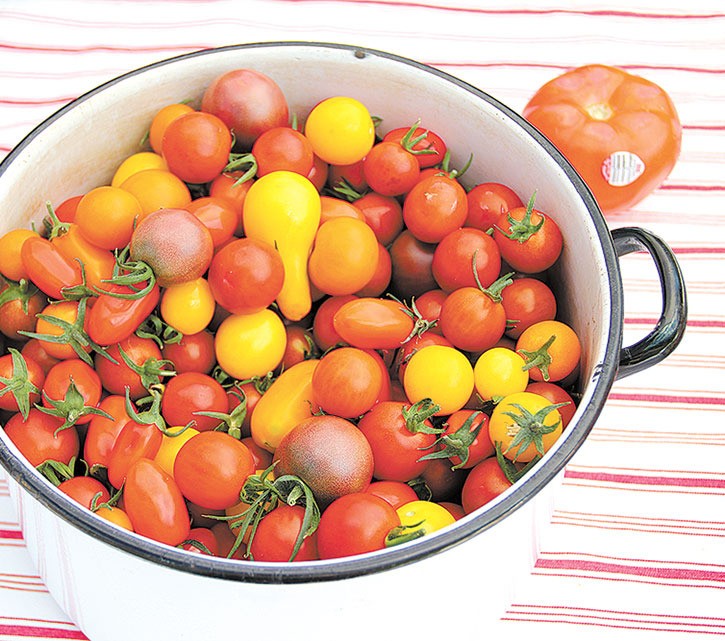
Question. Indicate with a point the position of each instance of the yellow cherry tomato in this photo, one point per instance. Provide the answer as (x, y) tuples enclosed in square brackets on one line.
[(442, 374), (248, 345), (424, 517), (526, 425), (115, 515), (170, 446), (188, 307), (340, 130), (135, 163), (498, 372), (156, 189), (286, 403)]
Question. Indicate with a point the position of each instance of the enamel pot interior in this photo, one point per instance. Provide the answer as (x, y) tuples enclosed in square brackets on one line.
[(80, 146)]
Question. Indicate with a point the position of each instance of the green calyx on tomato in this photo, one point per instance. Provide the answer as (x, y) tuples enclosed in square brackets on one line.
[(151, 371), (57, 471), (420, 325), (245, 162), (129, 273), (73, 334), (152, 415), (511, 470), (231, 422), (71, 407), (493, 291), (539, 358), (522, 230), (457, 443), (158, 331), (22, 291), (530, 428), (409, 141), (19, 384), (417, 414), (262, 495)]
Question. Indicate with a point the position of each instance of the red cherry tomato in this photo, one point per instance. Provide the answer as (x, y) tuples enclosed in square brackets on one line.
[(211, 468), (354, 524), (483, 484), (390, 169), (188, 394), (283, 149), (457, 254), (435, 207), (427, 141), (196, 147), (246, 275), (277, 534), (487, 202), (530, 241), (39, 440), (85, 490)]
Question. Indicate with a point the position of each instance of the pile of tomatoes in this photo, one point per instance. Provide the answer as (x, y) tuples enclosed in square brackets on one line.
[(276, 342)]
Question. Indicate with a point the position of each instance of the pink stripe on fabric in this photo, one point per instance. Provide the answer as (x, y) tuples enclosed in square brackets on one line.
[(11, 534), (678, 481), (688, 574)]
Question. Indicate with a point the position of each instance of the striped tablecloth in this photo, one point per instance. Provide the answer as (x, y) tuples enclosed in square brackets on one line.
[(636, 541)]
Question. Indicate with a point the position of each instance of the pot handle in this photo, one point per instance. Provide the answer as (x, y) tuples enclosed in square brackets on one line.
[(670, 327)]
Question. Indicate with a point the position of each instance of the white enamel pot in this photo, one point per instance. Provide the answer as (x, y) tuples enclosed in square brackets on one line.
[(118, 586)]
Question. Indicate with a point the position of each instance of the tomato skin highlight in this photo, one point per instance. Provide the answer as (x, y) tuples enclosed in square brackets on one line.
[(112, 319), (48, 269), (154, 503), (373, 323)]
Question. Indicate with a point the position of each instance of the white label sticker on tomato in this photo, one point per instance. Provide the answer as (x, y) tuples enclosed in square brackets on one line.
[(622, 168)]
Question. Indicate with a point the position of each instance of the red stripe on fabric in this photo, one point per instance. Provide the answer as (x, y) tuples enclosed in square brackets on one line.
[(688, 574), (40, 632), (663, 398), (642, 479), (531, 12), (11, 534)]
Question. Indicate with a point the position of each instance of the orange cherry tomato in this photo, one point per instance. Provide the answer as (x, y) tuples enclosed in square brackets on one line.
[(620, 131)]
